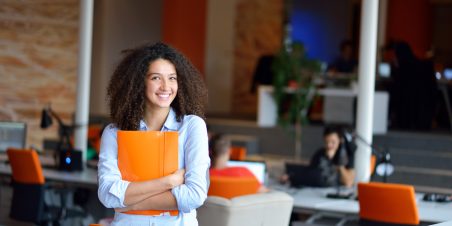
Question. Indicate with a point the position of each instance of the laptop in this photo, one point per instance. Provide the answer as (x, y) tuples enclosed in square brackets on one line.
[(12, 134), (304, 176), (258, 168), (384, 70), (448, 73)]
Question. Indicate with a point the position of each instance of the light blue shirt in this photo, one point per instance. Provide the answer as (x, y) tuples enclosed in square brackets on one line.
[(193, 156)]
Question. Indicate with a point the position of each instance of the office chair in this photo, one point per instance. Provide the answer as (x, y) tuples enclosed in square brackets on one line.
[(94, 135), (373, 164), (261, 209), (29, 186), (229, 187), (387, 204), (237, 153)]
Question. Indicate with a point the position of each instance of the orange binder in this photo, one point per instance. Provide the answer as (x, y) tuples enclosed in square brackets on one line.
[(145, 155)]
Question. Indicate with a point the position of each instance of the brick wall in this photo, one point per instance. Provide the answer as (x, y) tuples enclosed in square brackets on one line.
[(258, 32), (38, 62)]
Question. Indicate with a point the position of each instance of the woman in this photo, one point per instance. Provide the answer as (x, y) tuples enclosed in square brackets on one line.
[(156, 88), (415, 88), (335, 162)]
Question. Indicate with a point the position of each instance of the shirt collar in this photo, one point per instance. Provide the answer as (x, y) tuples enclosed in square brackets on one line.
[(170, 122)]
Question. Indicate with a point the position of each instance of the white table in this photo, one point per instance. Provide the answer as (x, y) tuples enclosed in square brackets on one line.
[(337, 107), (84, 178), (447, 223), (87, 178), (314, 200)]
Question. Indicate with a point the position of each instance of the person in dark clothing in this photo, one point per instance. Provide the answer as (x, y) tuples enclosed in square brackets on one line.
[(263, 74), (345, 62), (414, 91), (334, 160)]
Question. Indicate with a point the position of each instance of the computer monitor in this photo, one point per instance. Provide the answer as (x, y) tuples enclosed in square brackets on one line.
[(384, 70), (258, 168), (12, 134), (448, 73)]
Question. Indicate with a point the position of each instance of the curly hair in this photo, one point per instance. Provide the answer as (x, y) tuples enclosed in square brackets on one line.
[(126, 90)]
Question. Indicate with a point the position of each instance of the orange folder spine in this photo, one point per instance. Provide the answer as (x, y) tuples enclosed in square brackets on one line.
[(146, 155)]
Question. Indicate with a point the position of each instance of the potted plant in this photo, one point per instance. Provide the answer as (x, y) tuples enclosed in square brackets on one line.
[(294, 88)]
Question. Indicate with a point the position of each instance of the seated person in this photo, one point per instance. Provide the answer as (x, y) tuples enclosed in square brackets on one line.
[(345, 62), (263, 74), (334, 160), (219, 147)]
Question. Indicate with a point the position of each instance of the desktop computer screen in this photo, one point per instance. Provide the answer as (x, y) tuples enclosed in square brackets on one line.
[(448, 73), (258, 168), (384, 70), (12, 134)]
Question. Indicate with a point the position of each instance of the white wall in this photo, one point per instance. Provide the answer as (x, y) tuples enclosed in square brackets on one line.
[(119, 25)]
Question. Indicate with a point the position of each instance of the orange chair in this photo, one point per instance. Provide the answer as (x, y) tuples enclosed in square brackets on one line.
[(29, 187), (387, 204), (373, 162), (237, 153), (229, 187), (94, 136)]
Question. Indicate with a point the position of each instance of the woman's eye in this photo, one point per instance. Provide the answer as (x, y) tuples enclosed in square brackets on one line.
[(155, 78), (173, 78)]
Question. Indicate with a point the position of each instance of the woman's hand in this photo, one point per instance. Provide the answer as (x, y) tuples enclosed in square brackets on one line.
[(124, 209), (284, 178), (139, 191), (176, 179), (263, 189)]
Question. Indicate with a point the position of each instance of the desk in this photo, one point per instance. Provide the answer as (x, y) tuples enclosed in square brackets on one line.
[(447, 223), (77, 179), (338, 107), (85, 178), (313, 200)]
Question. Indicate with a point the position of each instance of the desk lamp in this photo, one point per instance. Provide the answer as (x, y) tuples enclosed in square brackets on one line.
[(69, 159), (384, 168)]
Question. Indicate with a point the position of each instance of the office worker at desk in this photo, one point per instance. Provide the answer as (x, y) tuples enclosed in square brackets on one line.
[(334, 160), (345, 62), (156, 88), (219, 152)]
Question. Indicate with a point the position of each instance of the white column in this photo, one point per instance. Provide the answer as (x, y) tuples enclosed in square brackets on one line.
[(366, 84), (84, 74)]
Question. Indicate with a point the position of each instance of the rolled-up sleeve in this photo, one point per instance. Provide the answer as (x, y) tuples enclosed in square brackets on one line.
[(193, 192), (112, 188)]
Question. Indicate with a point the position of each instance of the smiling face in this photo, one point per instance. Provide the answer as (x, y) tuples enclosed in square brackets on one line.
[(161, 84)]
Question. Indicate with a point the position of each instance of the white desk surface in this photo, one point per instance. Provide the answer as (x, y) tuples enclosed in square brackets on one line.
[(86, 177), (314, 199), (338, 92), (447, 223)]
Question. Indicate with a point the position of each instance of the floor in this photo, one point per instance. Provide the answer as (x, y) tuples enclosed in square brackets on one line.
[(5, 201)]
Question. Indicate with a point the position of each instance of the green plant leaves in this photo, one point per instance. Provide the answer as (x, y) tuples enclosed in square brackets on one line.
[(293, 86)]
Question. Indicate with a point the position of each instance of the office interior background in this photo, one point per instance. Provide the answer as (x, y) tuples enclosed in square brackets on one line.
[(39, 45), (224, 40)]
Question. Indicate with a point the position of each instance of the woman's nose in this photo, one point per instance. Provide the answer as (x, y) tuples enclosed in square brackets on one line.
[(163, 84)]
